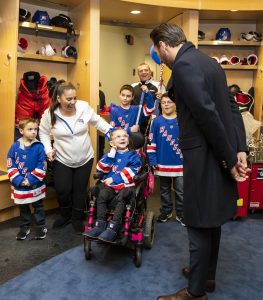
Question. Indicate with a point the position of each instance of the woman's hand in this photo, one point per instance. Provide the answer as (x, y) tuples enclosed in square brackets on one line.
[(51, 155)]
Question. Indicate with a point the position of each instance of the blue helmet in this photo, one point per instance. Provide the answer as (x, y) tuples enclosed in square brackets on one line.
[(223, 34), (41, 17)]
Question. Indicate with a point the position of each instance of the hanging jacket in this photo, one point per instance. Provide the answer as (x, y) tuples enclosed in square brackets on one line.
[(32, 105)]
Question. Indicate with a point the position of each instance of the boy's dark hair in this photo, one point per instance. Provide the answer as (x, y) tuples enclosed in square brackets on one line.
[(127, 87), (23, 122), (171, 34)]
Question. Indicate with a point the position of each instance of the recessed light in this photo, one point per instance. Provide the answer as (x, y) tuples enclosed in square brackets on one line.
[(233, 10), (135, 12)]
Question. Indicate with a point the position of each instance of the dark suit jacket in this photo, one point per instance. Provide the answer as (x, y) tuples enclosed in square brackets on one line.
[(210, 135)]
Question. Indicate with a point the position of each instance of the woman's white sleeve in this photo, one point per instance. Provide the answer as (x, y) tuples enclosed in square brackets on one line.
[(98, 122)]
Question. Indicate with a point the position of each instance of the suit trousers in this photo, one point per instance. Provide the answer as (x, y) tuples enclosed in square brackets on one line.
[(204, 248)]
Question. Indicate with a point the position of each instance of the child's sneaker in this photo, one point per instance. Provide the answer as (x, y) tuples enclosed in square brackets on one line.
[(41, 233), (163, 217), (23, 233)]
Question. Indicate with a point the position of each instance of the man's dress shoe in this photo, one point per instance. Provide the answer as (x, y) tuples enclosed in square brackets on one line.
[(182, 295), (210, 284)]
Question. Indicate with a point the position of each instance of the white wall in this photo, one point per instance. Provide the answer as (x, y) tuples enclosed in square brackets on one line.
[(118, 59)]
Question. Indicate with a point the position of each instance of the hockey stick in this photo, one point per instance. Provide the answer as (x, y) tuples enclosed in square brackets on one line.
[(140, 109)]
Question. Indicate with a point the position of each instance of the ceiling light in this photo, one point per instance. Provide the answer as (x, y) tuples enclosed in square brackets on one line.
[(233, 10), (135, 12)]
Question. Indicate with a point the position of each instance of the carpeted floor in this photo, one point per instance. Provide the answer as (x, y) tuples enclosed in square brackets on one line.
[(19, 256), (55, 268), (111, 274)]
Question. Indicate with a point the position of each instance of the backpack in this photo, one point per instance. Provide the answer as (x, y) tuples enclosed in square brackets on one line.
[(63, 21)]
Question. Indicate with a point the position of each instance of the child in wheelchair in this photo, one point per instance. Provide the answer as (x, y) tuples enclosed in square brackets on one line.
[(119, 166)]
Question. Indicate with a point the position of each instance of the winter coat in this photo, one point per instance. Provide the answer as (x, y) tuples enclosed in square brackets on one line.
[(210, 135)]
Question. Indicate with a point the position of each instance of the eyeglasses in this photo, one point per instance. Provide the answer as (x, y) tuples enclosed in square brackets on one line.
[(117, 137)]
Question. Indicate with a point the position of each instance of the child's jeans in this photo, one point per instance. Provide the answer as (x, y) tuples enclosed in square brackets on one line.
[(166, 184), (26, 216)]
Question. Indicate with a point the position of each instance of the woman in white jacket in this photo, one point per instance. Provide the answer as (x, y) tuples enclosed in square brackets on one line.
[(66, 123)]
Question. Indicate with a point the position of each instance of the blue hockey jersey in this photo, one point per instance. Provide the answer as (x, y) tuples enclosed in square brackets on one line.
[(126, 118), (122, 168), (27, 162), (164, 152)]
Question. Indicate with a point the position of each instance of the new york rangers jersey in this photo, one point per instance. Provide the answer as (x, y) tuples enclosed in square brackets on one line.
[(27, 163), (164, 152), (122, 168), (126, 118)]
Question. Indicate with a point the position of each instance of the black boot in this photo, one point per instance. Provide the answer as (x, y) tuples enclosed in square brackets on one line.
[(77, 220), (99, 227), (109, 235), (64, 219)]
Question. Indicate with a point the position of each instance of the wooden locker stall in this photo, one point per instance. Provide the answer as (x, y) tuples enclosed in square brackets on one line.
[(85, 17)]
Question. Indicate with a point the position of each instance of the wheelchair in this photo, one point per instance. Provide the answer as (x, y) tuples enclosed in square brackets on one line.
[(137, 229)]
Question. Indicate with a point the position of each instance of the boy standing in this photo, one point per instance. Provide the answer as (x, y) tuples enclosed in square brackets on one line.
[(167, 160), (26, 165), (125, 115), (119, 166)]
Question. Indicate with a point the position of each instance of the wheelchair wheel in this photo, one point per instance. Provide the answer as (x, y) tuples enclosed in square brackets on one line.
[(87, 248), (149, 232), (137, 256)]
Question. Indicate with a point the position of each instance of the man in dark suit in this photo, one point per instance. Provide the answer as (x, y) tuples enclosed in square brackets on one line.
[(212, 140)]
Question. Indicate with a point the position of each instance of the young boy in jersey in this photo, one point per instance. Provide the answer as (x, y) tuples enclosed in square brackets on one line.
[(26, 163), (119, 166), (167, 160), (125, 115)]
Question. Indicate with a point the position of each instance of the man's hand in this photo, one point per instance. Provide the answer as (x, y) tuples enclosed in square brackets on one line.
[(144, 88), (242, 163)]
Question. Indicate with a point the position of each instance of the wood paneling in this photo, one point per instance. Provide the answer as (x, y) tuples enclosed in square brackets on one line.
[(8, 42)]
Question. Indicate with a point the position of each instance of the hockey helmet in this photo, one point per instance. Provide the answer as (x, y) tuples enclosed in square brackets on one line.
[(234, 89), (201, 35), (223, 34), (69, 51), (24, 15), (41, 17), (250, 36)]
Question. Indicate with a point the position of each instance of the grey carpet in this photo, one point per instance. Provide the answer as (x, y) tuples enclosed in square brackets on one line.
[(111, 274)]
